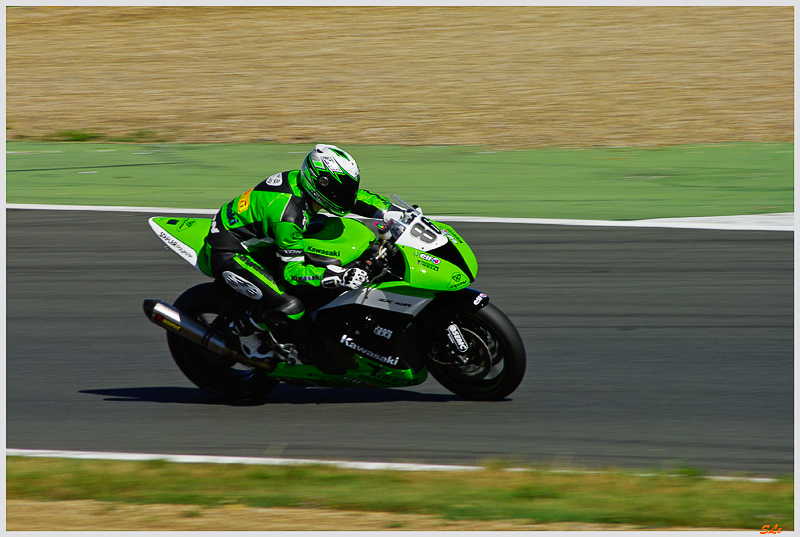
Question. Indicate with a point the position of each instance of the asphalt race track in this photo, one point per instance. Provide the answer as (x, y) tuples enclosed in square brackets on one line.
[(647, 348)]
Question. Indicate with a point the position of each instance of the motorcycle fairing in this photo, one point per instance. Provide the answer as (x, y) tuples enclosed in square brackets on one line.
[(374, 335), (335, 238), (384, 297), (365, 375), (186, 237), (468, 262), (430, 241)]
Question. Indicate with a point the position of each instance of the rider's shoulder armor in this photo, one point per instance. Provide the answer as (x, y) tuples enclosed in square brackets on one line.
[(280, 183)]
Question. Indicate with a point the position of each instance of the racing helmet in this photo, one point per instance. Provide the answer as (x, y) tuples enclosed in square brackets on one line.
[(330, 177)]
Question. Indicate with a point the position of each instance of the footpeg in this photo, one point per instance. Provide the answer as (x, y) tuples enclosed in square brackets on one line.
[(256, 348)]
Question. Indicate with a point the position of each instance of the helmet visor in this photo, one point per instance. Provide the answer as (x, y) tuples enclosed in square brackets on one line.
[(340, 193)]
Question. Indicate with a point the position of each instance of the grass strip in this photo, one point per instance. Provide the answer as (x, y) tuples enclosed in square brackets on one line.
[(600, 183), (613, 497)]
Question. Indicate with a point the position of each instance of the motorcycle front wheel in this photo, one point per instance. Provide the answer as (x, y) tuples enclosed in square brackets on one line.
[(223, 378), (493, 365)]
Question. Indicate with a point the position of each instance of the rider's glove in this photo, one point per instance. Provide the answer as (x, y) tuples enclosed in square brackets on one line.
[(355, 278), (338, 277), (393, 215), (397, 213)]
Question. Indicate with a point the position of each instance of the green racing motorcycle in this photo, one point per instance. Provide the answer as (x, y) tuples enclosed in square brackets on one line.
[(417, 314)]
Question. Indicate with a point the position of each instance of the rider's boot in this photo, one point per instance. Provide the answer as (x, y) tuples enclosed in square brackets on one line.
[(261, 328), (273, 336), (244, 325), (251, 337), (255, 347)]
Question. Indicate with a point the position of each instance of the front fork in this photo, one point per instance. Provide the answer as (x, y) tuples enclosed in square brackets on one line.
[(450, 343)]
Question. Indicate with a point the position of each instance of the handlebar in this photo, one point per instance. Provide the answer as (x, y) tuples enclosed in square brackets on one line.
[(378, 264), (391, 230)]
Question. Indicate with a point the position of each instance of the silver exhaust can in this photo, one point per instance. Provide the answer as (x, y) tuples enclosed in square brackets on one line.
[(170, 318)]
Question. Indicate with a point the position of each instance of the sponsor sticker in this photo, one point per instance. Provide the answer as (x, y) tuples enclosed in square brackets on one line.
[(457, 338), (458, 280), (454, 238), (429, 258), (230, 215), (275, 180), (244, 202), (166, 322), (383, 332), (428, 266), (178, 247)]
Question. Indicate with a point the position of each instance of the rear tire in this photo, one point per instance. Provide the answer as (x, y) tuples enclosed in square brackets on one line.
[(493, 366), (223, 378)]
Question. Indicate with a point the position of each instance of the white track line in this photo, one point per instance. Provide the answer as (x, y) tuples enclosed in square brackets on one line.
[(109, 208), (271, 461), (761, 222), (267, 461)]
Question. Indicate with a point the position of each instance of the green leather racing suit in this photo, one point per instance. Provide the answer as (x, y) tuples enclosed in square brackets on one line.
[(256, 243)]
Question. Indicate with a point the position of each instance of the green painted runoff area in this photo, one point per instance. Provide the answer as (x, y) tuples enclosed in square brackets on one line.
[(601, 183)]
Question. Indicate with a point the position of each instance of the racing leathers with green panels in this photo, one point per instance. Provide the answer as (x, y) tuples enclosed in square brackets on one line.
[(267, 223)]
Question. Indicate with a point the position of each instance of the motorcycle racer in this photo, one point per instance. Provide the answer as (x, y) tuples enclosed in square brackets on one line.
[(256, 240)]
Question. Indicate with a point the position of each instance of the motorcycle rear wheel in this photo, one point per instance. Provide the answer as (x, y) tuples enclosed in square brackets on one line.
[(223, 378), (493, 366)]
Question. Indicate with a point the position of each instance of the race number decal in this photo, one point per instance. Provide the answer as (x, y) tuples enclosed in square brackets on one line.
[(423, 235)]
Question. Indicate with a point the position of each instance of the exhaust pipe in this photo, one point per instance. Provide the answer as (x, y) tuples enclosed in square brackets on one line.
[(171, 319)]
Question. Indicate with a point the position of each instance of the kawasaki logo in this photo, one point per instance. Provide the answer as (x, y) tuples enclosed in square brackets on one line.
[(329, 253), (348, 342), (186, 223)]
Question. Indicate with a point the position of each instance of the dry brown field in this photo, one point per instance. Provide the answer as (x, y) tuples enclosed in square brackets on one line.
[(509, 77)]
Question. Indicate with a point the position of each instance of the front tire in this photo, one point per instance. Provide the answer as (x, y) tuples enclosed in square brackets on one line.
[(223, 378), (493, 366)]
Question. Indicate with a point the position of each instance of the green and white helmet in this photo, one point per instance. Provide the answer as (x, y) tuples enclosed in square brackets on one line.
[(330, 176)]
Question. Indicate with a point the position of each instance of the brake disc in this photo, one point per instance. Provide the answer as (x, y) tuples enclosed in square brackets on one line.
[(476, 363)]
